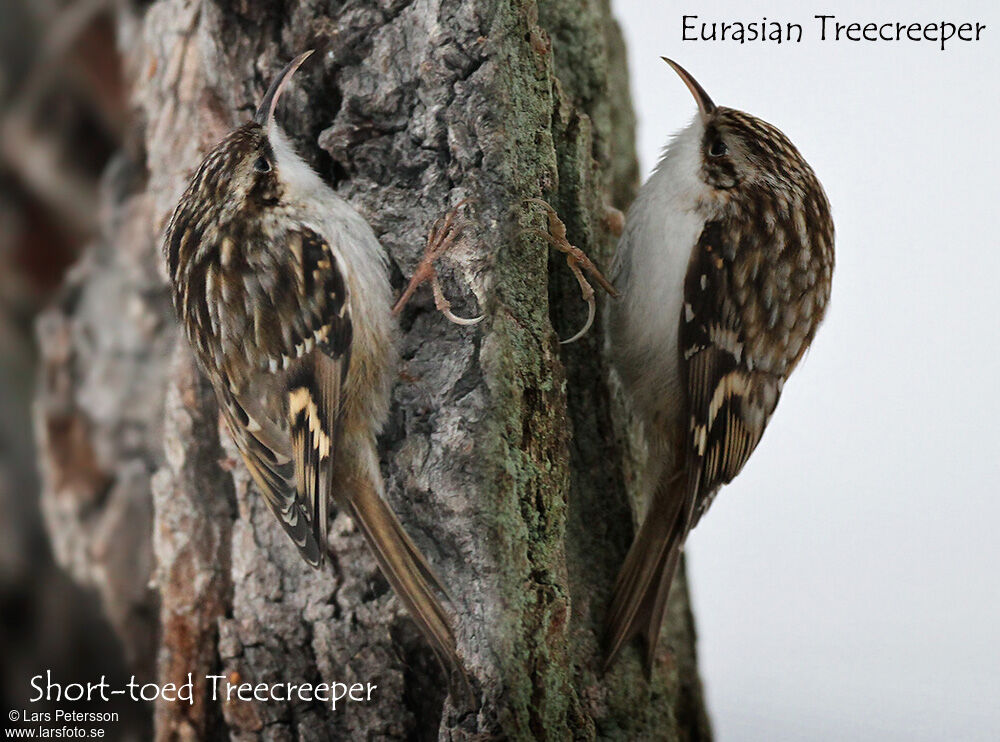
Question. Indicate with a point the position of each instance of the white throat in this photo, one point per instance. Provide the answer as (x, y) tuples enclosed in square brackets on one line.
[(295, 172)]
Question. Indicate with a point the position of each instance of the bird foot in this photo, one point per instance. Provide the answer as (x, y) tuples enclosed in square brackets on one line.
[(575, 258), (442, 236)]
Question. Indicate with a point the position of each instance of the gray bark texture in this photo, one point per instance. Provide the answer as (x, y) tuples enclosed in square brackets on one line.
[(506, 456)]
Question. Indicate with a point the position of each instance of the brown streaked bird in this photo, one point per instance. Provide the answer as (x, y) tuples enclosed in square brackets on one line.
[(283, 292), (724, 273)]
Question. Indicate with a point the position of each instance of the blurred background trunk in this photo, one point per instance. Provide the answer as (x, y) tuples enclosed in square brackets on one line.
[(506, 456)]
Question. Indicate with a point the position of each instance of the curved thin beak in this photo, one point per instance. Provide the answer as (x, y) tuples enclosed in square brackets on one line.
[(705, 104), (265, 111)]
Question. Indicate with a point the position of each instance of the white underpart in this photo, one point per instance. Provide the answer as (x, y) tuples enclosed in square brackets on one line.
[(360, 258), (338, 221), (650, 265)]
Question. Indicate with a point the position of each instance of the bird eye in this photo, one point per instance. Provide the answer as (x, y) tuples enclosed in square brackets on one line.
[(261, 165), (718, 148)]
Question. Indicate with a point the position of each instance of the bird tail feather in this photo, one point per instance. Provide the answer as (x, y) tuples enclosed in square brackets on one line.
[(643, 585), (406, 569)]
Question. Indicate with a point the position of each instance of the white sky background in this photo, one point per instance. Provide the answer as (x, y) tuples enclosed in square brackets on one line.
[(847, 584)]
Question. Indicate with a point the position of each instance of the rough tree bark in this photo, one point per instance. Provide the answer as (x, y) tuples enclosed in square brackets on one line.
[(505, 456)]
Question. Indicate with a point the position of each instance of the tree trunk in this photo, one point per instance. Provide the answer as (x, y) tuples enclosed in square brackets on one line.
[(506, 456)]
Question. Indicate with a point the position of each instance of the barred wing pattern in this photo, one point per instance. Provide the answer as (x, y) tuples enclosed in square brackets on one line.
[(275, 331), (731, 398)]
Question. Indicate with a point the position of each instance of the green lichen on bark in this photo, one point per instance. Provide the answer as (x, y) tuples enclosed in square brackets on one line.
[(571, 141)]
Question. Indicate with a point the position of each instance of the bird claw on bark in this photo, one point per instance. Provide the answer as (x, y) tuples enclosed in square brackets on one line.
[(442, 236), (575, 258)]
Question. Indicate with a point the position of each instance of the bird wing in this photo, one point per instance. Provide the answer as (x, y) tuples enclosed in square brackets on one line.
[(315, 388), (310, 356), (263, 446), (731, 399)]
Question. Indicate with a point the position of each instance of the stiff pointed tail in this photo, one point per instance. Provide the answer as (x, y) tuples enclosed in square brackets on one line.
[(407, 571), (643, 585)]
